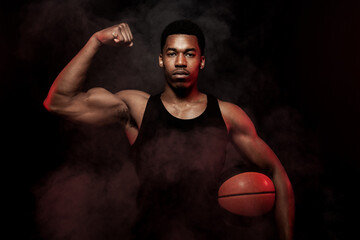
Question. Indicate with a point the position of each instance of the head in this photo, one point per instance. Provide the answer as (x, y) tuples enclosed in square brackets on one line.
[(182, 53)]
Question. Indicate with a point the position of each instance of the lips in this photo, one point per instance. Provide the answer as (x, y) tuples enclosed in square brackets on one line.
[(181, 72)]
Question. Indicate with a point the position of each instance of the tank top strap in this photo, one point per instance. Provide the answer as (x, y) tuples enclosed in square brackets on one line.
[(212, 105), (148, 114), (150, 117), (213, 112)]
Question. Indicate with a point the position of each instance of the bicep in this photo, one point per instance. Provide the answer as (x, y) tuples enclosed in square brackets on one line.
[(250, 145), (96, 106), (245, 139)]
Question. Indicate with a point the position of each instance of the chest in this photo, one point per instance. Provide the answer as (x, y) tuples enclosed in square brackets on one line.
[(185, 110), (172, 155)]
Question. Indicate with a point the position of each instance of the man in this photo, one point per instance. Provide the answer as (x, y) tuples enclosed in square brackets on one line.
[(178, 137)]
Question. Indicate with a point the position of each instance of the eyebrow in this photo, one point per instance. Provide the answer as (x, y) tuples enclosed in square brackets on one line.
[(186, 50)]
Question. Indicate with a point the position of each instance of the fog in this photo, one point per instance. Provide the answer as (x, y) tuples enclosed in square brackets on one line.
[(82, 183)]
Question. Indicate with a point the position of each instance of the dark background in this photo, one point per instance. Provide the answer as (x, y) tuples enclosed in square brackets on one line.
[(293, 66)]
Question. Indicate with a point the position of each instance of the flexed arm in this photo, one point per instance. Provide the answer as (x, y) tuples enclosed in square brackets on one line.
[(97, 105)]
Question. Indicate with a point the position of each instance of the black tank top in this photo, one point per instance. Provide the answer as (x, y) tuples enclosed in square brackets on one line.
[(179, 163)]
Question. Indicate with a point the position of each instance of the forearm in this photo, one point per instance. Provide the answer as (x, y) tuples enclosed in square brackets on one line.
[(284, 205), (72, 77), (66, 86)]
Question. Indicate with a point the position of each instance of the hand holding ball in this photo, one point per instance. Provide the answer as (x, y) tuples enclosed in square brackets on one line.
[(247, 194)]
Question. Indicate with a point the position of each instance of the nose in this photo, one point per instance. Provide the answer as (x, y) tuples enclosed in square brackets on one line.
[(180, 61)]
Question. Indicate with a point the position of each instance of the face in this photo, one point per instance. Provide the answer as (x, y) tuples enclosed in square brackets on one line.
[(181, 59)]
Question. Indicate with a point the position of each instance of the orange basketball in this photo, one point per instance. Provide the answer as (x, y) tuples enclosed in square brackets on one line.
[(247, 194)]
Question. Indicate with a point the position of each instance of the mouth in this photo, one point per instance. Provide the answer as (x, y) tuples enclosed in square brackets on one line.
[(181, 73)]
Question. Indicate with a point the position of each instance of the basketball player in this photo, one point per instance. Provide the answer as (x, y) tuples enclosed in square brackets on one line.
[(178, 136)]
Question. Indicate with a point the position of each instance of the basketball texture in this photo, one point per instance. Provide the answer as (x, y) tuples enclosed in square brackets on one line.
[(247, 194)]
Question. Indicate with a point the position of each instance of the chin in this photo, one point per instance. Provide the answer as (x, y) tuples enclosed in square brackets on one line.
[(181, 84), (181, 89)]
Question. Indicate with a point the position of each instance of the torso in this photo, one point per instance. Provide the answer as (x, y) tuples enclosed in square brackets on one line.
[(137, 100), (175, 148)]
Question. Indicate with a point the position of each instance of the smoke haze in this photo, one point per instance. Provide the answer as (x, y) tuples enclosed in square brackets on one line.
[(83, 184), (75, 202)]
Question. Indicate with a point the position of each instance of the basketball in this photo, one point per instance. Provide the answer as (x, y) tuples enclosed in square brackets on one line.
[(247, 194)]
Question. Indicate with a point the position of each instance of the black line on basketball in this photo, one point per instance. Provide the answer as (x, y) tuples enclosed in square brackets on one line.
[(241, 194)]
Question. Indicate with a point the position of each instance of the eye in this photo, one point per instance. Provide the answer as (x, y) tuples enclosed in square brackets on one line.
[(189, 54), (171, 54)]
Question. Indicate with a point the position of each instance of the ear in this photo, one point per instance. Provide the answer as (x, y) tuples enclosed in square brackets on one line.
[(202, 63), (161, 62)]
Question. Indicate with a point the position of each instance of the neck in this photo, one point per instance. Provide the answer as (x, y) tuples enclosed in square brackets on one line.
[(181, 94)]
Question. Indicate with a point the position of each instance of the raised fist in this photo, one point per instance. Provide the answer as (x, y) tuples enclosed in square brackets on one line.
[(116, 35)]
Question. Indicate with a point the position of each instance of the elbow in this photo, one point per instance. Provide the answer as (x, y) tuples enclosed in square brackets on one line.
[(279, 174), (53, 102), (46, 104), (49, 105)]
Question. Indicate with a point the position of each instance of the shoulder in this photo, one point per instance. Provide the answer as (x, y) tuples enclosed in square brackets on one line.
[(235, 118)]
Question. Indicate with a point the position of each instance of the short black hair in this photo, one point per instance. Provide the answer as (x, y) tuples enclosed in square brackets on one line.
[(184, 27)]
